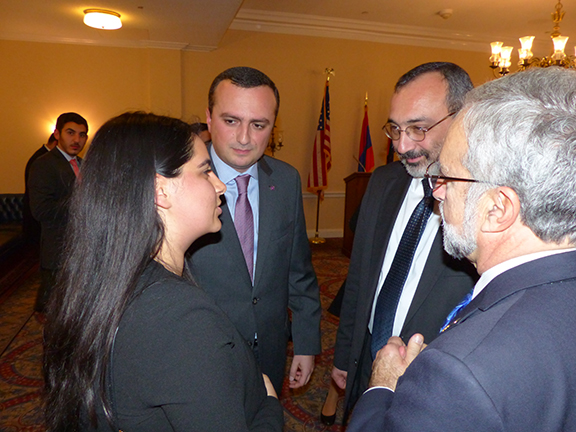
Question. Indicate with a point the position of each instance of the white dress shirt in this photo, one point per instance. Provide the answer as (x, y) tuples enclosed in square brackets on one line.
[(411, 200)]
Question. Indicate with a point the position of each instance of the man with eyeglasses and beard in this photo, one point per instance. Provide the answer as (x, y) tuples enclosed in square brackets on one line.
[(505, 361), (400, 281)]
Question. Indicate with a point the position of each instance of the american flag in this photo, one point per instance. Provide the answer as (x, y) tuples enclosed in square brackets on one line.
[(321, 156)]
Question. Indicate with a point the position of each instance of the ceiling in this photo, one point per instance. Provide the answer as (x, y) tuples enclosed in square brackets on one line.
[(201, 24)]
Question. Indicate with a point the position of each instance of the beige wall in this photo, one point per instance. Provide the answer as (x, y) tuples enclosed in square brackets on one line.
[(41, 80)]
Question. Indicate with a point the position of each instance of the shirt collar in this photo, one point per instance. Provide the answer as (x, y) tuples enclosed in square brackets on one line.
[(66, 155), (498, 269), (226, 173)]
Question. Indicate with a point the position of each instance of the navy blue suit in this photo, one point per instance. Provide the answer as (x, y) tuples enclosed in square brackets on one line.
[(507, 365)]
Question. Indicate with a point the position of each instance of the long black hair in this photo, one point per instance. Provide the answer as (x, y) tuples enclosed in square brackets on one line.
[(114, 230)]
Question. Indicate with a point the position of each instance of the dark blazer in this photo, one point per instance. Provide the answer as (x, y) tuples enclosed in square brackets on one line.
[(178, 364), (444, 282), (284, 277), (507, 365), (31, 226), (50, 184)]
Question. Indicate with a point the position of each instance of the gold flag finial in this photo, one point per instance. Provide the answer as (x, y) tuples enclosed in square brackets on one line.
[(329, 73)]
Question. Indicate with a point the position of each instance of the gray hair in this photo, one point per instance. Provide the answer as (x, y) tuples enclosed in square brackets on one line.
[(521, 132)]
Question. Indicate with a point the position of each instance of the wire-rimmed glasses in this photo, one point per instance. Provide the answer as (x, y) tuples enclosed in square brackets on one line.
[(415, 133)]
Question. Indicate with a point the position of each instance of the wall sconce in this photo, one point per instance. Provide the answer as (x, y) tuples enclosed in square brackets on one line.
[(102, 19), (275, 142)]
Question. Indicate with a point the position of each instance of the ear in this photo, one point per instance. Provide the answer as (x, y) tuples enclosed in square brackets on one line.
[(502, 210), (209, 120), (57, 134), (161, 197)]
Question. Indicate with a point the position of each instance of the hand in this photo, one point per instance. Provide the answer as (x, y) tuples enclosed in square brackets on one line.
[(301, 369), (393, 359), (339, 377), (269, 387)]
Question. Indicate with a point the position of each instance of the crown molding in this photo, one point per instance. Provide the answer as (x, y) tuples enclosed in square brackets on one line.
[(117, 43), (313, 25)]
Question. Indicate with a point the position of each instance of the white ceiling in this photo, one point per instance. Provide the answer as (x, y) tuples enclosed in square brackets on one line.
[(201, 24)]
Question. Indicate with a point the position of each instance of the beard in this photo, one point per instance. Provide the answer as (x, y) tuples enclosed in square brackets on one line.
[(419, 169), (461, 245)]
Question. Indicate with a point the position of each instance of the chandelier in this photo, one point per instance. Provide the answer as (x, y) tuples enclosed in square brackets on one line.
[(500, 58)]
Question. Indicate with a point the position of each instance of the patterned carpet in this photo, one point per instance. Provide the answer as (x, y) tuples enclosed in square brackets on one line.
[(21, 349)]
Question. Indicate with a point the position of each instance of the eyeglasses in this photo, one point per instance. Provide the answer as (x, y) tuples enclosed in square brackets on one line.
[(415, 133), (437, 181)]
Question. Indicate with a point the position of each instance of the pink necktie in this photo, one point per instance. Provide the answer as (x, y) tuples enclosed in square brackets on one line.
[(75, 167), (244, 222)]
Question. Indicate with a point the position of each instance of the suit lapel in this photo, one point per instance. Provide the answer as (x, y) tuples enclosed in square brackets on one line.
[(268, 200), (390, 202), (432, 271), (66, 171)]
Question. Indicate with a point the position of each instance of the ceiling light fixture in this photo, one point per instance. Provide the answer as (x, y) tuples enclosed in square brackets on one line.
[(500, 58), (102, 19)]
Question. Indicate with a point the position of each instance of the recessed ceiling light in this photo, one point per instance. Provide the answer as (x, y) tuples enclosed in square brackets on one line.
[(102, 19)]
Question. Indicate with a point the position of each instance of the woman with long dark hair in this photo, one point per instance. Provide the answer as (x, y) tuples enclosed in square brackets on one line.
[(131, 343)]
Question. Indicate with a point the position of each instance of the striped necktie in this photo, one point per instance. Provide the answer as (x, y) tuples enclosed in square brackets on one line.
[(391, 290)]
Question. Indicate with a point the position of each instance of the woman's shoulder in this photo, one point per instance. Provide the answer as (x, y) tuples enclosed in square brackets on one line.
[(161, 292), (156, 278), (169, 312)]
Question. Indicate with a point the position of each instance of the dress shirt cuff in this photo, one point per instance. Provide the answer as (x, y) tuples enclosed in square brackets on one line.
[(379, 387)]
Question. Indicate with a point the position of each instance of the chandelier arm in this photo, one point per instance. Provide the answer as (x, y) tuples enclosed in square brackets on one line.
[(557, 58)]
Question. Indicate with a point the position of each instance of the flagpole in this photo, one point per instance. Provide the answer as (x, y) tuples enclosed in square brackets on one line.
[(317, 239), (359, 163)]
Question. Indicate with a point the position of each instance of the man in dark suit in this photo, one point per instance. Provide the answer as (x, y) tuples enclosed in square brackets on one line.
[(506, 179), (30, 226), (255, 276), (50, 184), (422, 109)]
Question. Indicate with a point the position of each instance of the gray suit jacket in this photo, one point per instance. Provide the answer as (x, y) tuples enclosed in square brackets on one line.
[(50, 183), (284, 277), (444, 282), (506, 366)]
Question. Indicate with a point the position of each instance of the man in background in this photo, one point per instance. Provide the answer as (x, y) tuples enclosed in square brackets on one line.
[(30, 226), (505, 179), (400, 281), (204, 133), (259, 265), (50, 182)]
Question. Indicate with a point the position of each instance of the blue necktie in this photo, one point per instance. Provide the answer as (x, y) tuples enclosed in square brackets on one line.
[(457, 309), (244, 222), (389, 296)]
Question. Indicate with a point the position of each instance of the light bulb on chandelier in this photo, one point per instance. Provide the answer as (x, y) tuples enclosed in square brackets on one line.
[(500, 58)]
